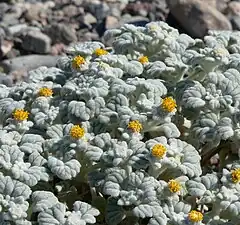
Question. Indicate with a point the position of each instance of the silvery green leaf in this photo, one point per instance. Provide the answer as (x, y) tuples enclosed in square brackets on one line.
[(170, 130), (138, 159), (36, 159), (134, 68), (9, 155), (233, 210), (203, 127), (30, 148), (45, 73), (83, 214), (9, 138), (224, 128), (139, 188), (113, 181), (28, 174), (182, 207), (65, 63), (32, 138), (95, 106), (43, 200), (64, 170), (79, 110), (85, 48), (101, 140), (117, 153), (114, 213), (53, 216), (93, 153), (55, 131), (147, 210), (187, 158), (14, 188), (159, 219), (210, 181), (192, 96), (195, 188)]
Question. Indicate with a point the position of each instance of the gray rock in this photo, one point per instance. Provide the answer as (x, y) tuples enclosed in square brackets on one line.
[(60, 32), (37, 42), (11, 18), (99, 9), (6, 79), (28, 62), (235, 20), (16, 28), (197, 17), (88, 19)]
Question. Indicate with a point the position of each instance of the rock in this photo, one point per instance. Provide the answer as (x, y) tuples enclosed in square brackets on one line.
[(89, 19), (6, 47), (85, 35), (2, 34), (6, 80), (98, 9), (17, 28), (12, 16), (111, 22), (139, 8), (33, 13), (28, 62), (222, 5), (58, 49), (235, 20), (212, 3), (60, 33), (197, 17), (233, 9), (37, 42), (3, 9), (70, 11)]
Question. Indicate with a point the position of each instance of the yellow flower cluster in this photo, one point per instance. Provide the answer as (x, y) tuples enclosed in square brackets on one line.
[(77, 132), (45, 92), (20, 114), (100, 51), (235, 175), (159, 150), (169, 104), (195, 216), (174, 186), (143, 59), (77, 62), (135, 126)]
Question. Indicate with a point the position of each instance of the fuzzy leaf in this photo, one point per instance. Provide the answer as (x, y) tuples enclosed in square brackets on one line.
[(64, 171), (43, 200)]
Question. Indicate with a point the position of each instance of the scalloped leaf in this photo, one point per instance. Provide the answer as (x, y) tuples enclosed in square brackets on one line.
[(64, 171)]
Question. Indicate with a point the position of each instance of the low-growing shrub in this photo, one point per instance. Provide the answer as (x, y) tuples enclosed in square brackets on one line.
[(146, 131)]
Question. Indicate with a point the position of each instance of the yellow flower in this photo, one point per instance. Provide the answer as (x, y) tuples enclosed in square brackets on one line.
[(20, 115), (46, 92), (100, 51), (235, 175), (159, 150), (195, 216), (169, 104), (174, 186), (143, 59), (78, 61), (135, 126), (77, 132)]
